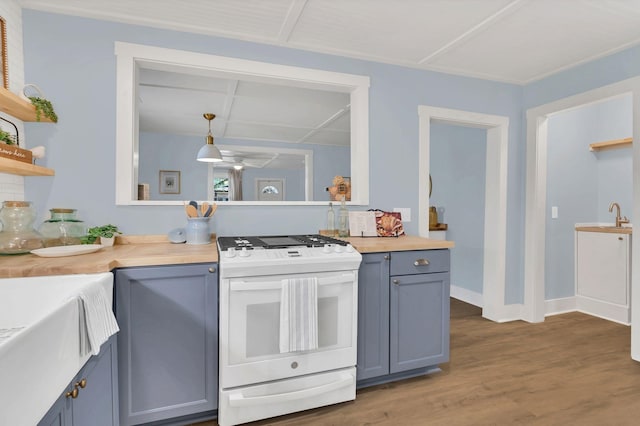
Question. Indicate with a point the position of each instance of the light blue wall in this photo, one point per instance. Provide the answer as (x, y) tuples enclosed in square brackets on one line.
[(582, 183), (72, 59), (162, 151), (458, 169)]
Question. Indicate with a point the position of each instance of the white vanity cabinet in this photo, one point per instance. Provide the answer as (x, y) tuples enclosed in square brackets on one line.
[(603, 274)]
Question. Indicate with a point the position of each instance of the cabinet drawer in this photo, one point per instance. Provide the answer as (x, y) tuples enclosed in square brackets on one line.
[(419, 262)]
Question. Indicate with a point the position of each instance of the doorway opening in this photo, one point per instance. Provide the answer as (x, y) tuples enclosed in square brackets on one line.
[(534, 308), (495, 218)]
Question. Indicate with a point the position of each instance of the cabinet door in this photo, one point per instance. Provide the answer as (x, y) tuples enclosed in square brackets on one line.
[(97, 402), (602, 266), (167, 346), (373, 316), (58, 414), (419, 321)]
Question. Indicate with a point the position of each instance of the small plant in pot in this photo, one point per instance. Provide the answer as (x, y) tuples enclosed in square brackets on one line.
[(106, 233), (6, 138)]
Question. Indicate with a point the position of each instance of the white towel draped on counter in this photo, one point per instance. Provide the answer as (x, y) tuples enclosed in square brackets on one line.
[(299, 315), (97, 321)]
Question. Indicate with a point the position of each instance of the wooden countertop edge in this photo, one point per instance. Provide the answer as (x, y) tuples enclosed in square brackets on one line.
[(134, 251), (605, 229)]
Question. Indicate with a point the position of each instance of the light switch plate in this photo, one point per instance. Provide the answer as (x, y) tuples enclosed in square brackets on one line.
[(405, 212), (554, 212)]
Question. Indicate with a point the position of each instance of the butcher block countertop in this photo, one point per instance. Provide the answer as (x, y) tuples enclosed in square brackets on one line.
[(605, 229), (401, 243), (149, 250), (134, 250)]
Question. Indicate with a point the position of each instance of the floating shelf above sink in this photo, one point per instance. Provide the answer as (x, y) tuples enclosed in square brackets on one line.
[(615, 143)]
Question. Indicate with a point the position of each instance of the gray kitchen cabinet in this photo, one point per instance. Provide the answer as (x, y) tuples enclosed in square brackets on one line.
[(92, 396), (168, 343), (373, 316), (403, 314)]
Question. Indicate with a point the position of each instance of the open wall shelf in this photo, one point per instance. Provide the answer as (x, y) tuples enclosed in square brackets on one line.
[(612, 144), (18, 107), (15, 167)]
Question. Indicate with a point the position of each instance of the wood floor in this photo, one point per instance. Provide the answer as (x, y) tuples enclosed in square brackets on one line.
[(573, 369)]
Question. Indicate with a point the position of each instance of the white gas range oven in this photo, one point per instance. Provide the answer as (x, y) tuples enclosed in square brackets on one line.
[(288, 325)]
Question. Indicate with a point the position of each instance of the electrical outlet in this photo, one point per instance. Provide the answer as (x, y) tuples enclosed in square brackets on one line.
[(405, 212), (554, 212)]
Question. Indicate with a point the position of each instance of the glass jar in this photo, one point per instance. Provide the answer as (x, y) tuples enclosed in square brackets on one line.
[(18, 235), (63, 228)]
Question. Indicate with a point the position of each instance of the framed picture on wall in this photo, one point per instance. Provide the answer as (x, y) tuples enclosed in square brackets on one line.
[(4, 66), (169, 181)]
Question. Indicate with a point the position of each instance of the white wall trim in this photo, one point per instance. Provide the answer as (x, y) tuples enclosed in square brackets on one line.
[(559, 306), (602, 309), (535, 218), (467, 296), (495, 224)]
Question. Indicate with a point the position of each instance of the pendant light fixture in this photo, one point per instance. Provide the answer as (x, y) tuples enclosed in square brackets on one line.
[(209, 152)]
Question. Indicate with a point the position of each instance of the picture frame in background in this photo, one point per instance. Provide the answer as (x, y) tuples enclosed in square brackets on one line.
[(4, 64), (169, 181)]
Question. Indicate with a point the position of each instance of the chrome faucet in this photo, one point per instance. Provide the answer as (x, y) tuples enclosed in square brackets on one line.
[(619, 220)]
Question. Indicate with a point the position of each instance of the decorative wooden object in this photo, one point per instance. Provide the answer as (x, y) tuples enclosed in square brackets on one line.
[(14, 152), (616, 143), (18, 107)]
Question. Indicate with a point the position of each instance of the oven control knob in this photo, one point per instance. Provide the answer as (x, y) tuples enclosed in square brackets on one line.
[(349, 248), (339, 248), (244, 252), (231, 252), (327, 248)]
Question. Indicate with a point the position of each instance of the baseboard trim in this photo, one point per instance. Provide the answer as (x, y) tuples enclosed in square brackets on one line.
[(467, 296), (605, 310), (560, 306)]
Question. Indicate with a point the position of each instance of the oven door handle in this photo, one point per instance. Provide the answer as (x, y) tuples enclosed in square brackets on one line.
[(239, 400), (240, 285)]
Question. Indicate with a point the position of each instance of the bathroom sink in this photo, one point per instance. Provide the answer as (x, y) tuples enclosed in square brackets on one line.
[(626, 228), (40, 341)]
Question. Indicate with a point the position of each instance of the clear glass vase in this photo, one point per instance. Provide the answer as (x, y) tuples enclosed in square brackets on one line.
[(63, 228), (18, 235)]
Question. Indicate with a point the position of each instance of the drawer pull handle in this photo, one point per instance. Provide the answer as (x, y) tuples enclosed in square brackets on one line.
[(387, 257), (82, 383), (396, 282), (212, 270), (421, 262), (72, 394), (620, 238)]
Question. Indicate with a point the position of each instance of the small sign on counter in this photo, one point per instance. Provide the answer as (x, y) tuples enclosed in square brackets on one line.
[(362, 224)]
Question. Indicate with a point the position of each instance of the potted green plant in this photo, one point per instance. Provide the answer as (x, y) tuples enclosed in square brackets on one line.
[(106, 233), (38, 100), (5, 137), (43, 106)]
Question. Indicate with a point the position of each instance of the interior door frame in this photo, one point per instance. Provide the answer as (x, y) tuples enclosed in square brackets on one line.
[(495, 222), (536, 191)]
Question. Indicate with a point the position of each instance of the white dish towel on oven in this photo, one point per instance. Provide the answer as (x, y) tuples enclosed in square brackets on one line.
[(299, 315)]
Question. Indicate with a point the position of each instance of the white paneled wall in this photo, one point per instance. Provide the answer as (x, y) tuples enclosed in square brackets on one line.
[(12, 187)]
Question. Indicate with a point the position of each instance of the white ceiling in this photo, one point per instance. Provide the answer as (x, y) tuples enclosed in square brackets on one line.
[(516, 41)]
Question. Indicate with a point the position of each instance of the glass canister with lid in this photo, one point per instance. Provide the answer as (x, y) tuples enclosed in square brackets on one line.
[(17, 235), (63, 228)]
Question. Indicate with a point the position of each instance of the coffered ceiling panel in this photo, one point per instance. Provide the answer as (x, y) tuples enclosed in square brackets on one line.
[(542, 37), (517, 41), (404, 31)]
